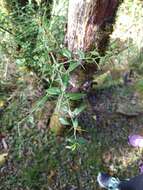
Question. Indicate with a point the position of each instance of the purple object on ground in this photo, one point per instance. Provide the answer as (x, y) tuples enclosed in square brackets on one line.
[(136, 140), (141, 168)]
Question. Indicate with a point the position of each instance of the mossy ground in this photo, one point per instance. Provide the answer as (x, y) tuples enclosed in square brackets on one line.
[(39, 160)]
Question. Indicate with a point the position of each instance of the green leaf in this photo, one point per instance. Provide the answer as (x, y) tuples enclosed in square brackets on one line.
[(67, 53), (53, 91), (81, 54), (65, 80), (72, 66), (75, 123), (75, 96), (81, 140), (64, 121), (72, 147), (79, 110)]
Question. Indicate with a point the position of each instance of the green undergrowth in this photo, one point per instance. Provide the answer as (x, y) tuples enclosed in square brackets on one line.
[(39, 160), (33, 75)]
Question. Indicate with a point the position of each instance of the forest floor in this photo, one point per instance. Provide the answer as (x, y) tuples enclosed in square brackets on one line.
[(32, 158)]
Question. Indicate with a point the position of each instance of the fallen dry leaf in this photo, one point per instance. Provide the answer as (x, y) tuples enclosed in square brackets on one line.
[(3, 158)]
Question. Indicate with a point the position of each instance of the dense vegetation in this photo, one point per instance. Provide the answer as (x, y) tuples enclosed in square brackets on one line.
[(35, 71)]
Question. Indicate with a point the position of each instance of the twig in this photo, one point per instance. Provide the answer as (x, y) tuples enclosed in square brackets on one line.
[(6, 30)]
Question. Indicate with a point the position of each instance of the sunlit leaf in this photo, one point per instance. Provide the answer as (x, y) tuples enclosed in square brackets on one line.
[(67, 53), (73, 147), (53, 91), (64, 121)]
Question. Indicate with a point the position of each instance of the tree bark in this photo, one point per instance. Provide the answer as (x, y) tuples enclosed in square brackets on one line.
[(90, 23)]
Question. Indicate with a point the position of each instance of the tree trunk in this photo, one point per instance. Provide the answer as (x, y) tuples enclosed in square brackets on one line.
[(90, 23)]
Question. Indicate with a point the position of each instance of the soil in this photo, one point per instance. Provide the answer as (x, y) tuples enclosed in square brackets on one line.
[(112, 114)]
